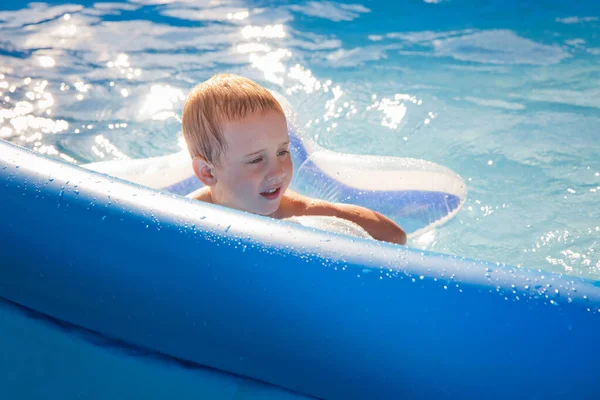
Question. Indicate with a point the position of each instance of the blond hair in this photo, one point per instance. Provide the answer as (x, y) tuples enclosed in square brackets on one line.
[(223, 97)]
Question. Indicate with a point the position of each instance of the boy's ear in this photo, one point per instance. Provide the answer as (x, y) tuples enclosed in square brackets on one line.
[(204, 171)]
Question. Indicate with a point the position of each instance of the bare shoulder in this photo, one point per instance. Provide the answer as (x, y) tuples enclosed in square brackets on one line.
[(294, 204), (202, 194)]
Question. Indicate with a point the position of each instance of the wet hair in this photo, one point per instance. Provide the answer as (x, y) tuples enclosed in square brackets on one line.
[(222, 98)]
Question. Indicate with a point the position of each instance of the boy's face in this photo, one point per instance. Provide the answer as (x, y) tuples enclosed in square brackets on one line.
[(256, 168)]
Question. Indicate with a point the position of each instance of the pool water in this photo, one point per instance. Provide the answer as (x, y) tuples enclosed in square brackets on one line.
[(506, 94)]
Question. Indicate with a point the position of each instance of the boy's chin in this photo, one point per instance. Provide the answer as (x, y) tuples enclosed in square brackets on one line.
[(268, 211)]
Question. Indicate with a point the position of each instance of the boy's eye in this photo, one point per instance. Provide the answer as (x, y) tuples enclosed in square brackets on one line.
[(255, 161), (284, 152)]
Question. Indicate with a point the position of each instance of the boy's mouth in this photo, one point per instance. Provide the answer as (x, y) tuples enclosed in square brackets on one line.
[(271, 194)]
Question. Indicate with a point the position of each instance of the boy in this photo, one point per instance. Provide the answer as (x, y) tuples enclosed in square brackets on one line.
[(237, 135)]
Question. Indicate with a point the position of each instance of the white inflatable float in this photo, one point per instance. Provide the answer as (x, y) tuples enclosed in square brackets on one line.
[(417, 194)]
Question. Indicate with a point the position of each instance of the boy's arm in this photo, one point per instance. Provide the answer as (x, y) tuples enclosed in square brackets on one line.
[(377, 225)]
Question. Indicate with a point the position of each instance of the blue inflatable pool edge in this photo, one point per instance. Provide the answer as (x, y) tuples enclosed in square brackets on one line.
[(318, 313)]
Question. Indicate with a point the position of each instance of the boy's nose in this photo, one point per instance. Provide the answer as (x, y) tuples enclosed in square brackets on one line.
[(276, 173)]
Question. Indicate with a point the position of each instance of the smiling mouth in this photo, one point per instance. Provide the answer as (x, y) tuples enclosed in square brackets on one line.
[(271, 194)]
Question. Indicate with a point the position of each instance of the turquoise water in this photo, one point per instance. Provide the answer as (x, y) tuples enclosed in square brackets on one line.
[(505, 94)]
